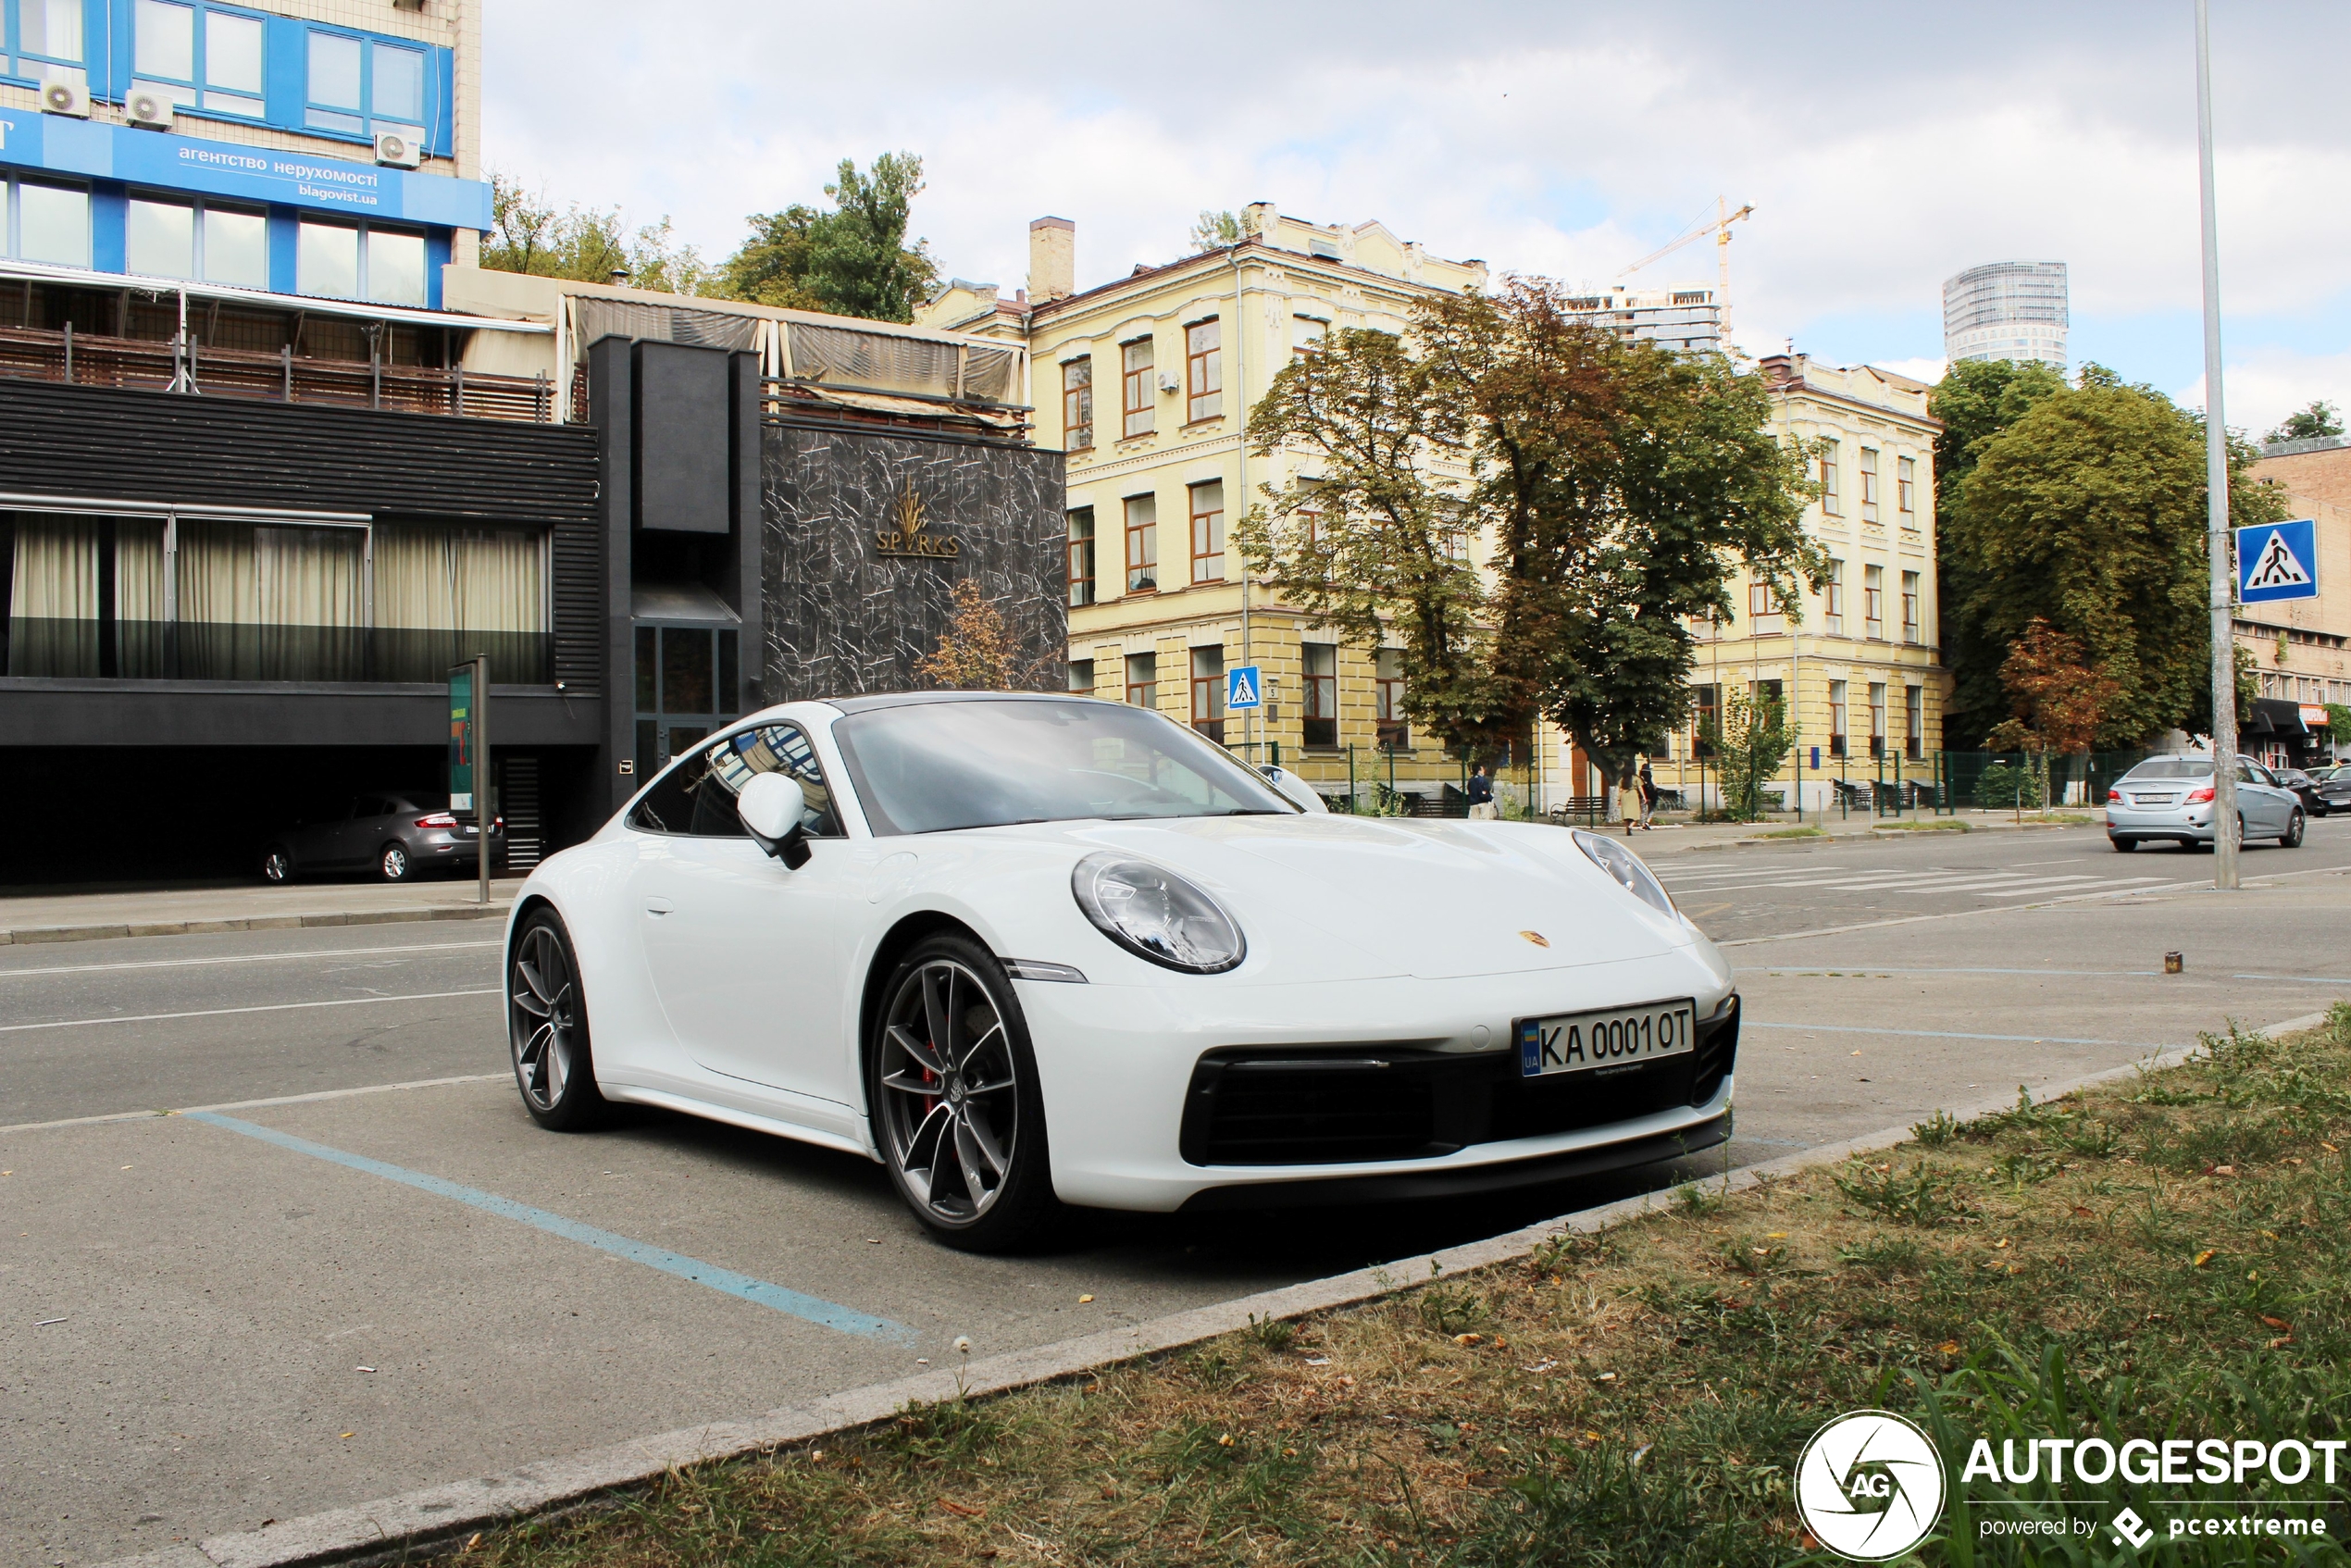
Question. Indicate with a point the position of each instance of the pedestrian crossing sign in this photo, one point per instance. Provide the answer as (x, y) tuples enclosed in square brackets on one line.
[(2278, 561), (1243, 688)]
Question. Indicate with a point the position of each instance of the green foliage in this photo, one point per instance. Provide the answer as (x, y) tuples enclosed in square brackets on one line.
[(1751, 742), (1622, 486), (1919, 1196), (1373, 544), (2321, 418), (1936, 1130), (1215, 230), (2086, 510), (2339, 722), (851, 261), (529, 234)]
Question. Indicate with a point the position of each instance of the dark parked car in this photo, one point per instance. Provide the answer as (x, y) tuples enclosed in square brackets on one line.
[(397, 837), (2313, 794), (2334, 785)]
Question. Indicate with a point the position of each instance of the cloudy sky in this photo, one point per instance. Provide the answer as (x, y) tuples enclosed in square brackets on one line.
[(1885, 146)]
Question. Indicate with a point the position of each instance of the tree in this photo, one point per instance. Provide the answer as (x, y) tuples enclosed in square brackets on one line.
[(1371, 541), (1623, 484), (977, 652), (1751, 742), (1215, 230), (2321, 418), (2057, 698), (529, 234), (2087, 513), (851, 261)]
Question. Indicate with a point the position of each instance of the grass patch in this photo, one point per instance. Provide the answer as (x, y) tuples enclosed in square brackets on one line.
[(2158, 1257), (1925, 825), (1792, 833)]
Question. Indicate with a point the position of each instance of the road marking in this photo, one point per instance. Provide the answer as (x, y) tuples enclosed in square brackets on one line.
[(230, 1012), (252, 1104), (237, 958), (828, 1315), (1954, 969), (1949, 1033)]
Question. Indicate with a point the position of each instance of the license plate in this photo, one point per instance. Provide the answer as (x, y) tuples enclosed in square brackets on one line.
[(2154, 799), (1620, 1036)]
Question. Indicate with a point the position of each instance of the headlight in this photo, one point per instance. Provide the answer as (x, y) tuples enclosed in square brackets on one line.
[(1154, 914), (1626, 867)]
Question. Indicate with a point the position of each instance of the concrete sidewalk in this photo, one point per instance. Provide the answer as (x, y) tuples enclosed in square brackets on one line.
[(1669, 837), (93, 914)]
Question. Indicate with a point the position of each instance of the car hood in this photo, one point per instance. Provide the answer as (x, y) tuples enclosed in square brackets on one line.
[(1435, 900)]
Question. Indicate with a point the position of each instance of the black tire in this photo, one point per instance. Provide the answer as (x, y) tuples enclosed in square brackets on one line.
[(547, 1027), (2292, 836), (276, 865), (951, 986), (395, 864), (2123, 846)]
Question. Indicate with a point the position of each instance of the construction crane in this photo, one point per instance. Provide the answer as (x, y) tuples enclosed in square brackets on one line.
[(1720, 230)]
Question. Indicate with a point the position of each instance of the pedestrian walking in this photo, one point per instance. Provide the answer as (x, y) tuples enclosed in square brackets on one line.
[(1649, 797), (1481, 797)]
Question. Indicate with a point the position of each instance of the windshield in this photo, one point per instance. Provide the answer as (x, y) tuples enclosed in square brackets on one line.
[(2171, 767), (929, 767)]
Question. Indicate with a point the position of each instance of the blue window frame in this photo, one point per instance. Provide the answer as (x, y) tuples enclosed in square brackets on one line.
[(200, 55), (359, 85), (40, 38)]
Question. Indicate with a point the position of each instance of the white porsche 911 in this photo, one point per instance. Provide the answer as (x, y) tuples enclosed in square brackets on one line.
[(1031, 949)]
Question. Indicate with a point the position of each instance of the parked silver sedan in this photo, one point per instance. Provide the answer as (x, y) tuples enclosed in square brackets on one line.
[(2171, 798)]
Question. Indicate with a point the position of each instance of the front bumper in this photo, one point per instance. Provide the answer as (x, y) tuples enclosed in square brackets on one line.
[(1131, 1077)]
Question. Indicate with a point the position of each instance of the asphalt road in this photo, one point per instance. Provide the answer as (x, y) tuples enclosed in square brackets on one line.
[(211, 1320)]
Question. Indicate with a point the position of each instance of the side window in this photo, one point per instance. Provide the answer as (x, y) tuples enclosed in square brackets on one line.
[(697, 796)]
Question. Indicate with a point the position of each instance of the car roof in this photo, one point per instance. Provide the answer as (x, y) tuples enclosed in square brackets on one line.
[(909, 699)]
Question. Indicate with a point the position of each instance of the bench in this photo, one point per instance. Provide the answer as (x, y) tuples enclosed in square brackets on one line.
[(1587, 808)]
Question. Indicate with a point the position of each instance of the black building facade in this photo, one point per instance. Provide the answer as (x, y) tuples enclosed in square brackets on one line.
[(225, 614)]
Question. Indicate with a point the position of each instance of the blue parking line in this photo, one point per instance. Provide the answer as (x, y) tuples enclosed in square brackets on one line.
[(1945, 1034), (823, 1313)]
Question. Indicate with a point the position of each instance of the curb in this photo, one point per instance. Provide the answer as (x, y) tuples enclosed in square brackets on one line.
[(397, 1527), (253, 922), (1883, 835)]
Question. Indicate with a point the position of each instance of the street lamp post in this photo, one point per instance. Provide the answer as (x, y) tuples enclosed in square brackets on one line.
[(2216, 479)]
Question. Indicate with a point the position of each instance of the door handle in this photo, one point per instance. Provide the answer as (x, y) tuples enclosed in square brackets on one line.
[(658, 907)]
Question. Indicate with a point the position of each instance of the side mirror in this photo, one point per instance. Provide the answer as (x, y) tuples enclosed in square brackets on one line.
[(1296, 790), (770, 808)]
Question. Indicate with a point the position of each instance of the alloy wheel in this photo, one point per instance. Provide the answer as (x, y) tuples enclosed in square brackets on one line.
[(544, 1018), (395, 864), (275, 866), (951, 1091)]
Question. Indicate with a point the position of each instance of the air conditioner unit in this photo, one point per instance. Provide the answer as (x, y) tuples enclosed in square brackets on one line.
[(398, 148), (147, 109), (65, 98), (1170, 381)]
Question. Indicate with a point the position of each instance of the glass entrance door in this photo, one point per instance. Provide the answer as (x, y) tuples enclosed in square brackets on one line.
[(689, 682)]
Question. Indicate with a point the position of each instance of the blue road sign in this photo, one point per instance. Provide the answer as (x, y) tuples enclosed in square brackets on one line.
[(1243, 689), (2278, 561)]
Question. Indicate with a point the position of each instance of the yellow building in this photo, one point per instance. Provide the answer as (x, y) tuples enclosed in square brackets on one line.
[(1147, 383), (1860, 672)]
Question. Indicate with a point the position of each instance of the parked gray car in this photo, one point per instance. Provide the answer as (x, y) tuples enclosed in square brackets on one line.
[(397, 837), (2171, 798), (2334, 786)]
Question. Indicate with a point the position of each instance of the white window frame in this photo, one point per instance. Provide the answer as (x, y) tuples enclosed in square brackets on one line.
[(200, 206), (367, 232), (12, 216)]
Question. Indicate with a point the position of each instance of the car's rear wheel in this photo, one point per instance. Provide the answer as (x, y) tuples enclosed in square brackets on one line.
[(276, 865), (2292, 836), (2124, 846), (394, 863), (547, 1027), (951, 1085)]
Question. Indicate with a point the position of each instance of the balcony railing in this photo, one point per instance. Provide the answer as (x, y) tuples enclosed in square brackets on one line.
[(88, 359)]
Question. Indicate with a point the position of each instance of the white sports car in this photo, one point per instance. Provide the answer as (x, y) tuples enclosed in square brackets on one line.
[(1032, 950)]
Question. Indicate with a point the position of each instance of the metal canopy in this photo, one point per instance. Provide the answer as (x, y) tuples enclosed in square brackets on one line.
[(80, 278)]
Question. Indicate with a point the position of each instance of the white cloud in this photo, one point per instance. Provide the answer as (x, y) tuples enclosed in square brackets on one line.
[(1883, 149)]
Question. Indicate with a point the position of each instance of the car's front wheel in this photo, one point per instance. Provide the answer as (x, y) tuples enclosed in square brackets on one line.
[(547, 1027), (2292, 836), (951, 1086)]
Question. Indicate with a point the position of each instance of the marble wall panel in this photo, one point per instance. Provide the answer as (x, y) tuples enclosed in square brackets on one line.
[(841, 618)]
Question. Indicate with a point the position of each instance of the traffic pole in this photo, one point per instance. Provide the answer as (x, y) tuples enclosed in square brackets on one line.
[(2216, 479)]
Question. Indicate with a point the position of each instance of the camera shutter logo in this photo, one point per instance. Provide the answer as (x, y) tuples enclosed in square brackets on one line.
[(1870, 1486)]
